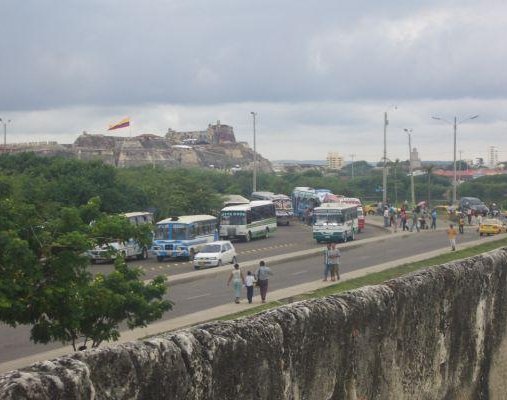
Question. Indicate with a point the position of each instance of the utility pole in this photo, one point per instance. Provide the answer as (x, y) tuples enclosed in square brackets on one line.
[(384, 171), (412, 190), (254, 185), (352, 166)]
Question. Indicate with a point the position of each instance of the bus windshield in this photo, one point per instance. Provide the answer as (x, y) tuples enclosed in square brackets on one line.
[(177, 231), (326, 218), (233, 218)]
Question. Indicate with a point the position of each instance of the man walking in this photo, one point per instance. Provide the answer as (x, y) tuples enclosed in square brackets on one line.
[(262, 277), (434, 219), (451, 234)]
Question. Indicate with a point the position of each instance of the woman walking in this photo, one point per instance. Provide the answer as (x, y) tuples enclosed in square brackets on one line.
[(262, 277), (238, 280)]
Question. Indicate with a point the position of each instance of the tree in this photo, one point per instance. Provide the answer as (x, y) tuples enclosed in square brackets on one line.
[(46, 280)]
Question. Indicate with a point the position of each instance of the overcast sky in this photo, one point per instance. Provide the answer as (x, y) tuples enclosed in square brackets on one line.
[(319, 74)]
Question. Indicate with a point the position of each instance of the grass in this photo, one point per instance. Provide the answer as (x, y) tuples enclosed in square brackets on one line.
[(374, 278)]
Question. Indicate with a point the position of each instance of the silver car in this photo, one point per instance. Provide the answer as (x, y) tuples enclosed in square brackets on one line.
[(215, 254)]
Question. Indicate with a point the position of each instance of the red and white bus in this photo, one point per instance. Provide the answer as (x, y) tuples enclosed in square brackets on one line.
[(360, 213)]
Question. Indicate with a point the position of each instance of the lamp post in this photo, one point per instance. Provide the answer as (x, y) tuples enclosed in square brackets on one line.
[(4, 123), (384, 172), (254, 185), (455, 126), (412, 191)]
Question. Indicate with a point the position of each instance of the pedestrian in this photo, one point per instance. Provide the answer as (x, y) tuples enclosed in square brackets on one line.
[(451, 234), (434, 219), (262, 275), (334, 256), (327, 261), (238, 280), (249, 284), (403, 220), (469, 216), (461, 223), (415, 220), (386, 217)]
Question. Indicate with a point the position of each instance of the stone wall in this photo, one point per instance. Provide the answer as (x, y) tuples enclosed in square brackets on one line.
[(437, 334)]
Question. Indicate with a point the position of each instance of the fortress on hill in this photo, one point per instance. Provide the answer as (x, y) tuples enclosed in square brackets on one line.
[(215, 147)]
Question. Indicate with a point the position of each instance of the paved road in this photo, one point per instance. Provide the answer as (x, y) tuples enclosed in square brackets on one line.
[(202, 294), (286, 239)]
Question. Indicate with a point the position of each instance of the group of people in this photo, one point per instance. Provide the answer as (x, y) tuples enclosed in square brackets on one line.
[(418, 219), (260, 279)]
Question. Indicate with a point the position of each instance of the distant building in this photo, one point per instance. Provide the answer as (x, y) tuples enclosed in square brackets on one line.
[(335, 161), (492, 156), (415, 162), (215, 134)]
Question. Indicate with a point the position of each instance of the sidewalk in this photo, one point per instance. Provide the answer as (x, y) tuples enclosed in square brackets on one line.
[(226, 309)]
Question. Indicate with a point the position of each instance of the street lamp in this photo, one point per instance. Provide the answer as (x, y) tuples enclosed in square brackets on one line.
[(384, 172), (412, 192), (455, 125), (5, 122), (254, 186)]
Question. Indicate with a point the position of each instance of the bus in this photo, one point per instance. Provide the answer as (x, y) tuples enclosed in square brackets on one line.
[(128, 249), (248, 221), (360, 214), (335, 222), (304, 198), (183, 237), (283, 205)]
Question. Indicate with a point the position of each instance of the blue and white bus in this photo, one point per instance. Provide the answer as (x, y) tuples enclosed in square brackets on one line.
[(183, 237), (304, 198), (333, 222), (248, 221)]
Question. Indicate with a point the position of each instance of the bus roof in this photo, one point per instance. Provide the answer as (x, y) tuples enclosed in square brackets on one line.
[(334, 206), (262, 195), (137, 214), (186, 219), (245, 207)]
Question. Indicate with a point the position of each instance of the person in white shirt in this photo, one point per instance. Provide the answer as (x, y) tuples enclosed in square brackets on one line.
[(249, 284)]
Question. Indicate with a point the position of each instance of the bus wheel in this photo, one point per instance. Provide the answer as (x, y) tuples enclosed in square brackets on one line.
[(160, 258), (267, 233)]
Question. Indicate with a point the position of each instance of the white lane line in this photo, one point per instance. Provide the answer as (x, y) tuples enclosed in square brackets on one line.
[(299, 272), (198, 297)]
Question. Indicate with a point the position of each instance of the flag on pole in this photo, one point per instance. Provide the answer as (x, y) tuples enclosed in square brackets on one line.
[(122, 124)]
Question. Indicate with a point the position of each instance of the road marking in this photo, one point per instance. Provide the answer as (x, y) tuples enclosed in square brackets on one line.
[(299, 272), (198, 297)]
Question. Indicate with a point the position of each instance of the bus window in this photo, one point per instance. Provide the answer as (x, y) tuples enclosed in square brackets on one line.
[(179, 232)]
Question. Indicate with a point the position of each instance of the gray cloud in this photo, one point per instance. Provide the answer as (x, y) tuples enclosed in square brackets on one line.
[(321, 70)]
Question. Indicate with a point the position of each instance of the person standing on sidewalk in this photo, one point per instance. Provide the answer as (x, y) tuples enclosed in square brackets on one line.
[(434, 219), (249, 284), (263, 277), (461, 223), (238, 280), (327, 261), (451, 234), (334, 255)]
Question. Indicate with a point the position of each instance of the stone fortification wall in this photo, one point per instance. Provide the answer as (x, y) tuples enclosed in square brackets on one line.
[(437, 334)]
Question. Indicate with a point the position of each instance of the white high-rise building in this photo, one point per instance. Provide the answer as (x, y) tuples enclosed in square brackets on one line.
[(335, 161), (492, 156)]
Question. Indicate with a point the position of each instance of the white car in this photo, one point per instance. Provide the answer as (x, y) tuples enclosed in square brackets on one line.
[(215, 254)]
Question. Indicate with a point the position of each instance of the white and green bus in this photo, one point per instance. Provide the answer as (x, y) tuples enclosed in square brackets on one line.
[(335, 222), (248, 221), (183, 237)]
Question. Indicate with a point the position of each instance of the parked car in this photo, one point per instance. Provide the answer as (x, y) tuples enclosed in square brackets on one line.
[(215, 254), (473, 203), (491, 226), (370, 209)]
